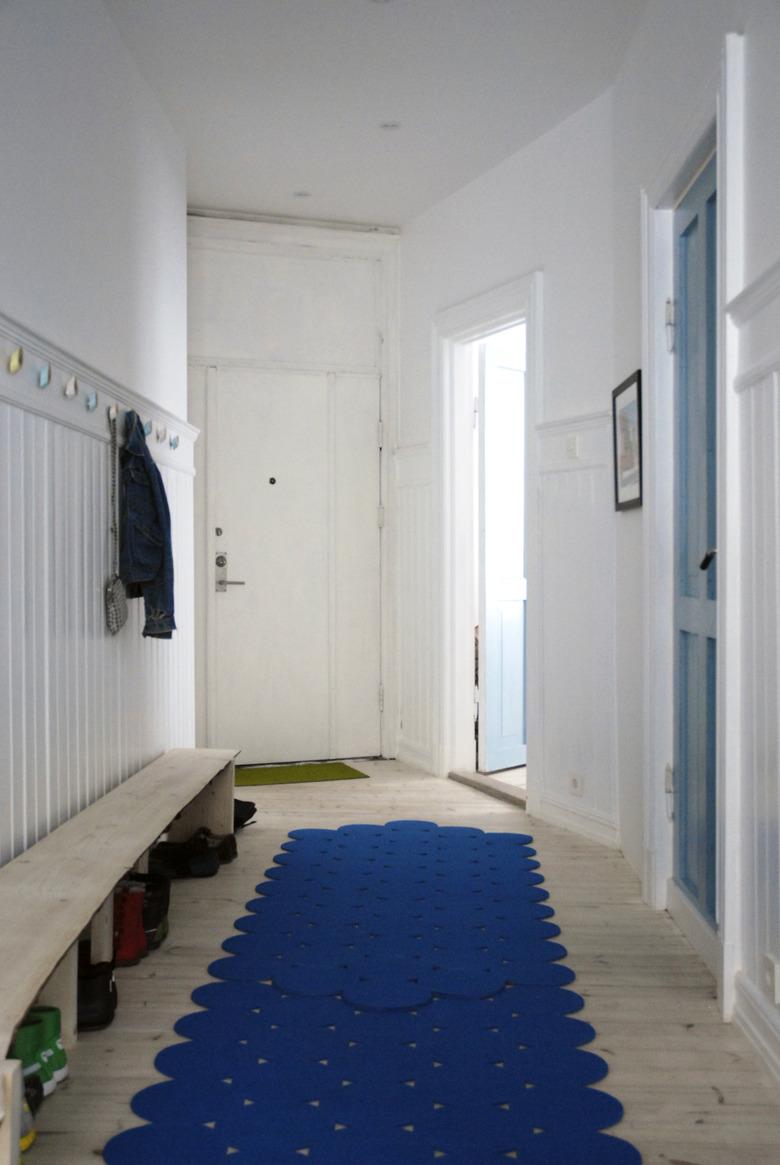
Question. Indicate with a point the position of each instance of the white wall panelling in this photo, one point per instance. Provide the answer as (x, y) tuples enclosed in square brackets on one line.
[(758, 708), (576, 616), (80, 709)]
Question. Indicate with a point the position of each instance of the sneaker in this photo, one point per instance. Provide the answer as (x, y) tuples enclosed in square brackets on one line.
[(30, 1046), (52, 1031), (184, 859), (130, 945)]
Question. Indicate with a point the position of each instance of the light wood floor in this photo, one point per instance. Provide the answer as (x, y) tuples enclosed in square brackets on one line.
[(693, 1090)]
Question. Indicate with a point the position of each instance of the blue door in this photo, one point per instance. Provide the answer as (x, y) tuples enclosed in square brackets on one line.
[(695, 531)]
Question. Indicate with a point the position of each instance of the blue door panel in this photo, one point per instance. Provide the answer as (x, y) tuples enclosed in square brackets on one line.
[(695, 533)]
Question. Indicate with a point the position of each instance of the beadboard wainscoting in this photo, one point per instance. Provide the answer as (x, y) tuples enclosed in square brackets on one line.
[(756, 314), (80, 710), (416, 615), (576, 786)]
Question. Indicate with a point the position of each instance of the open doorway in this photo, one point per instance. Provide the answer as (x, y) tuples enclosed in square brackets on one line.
[(489, 373), (500, 587)]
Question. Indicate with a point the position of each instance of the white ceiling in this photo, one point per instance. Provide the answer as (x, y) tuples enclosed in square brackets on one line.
[(271, 97)]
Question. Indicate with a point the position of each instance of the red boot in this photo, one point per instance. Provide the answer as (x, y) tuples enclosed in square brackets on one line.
[(130, 943)]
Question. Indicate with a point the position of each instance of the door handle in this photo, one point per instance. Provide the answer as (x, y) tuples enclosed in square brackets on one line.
[(222, 582), (708, 558)]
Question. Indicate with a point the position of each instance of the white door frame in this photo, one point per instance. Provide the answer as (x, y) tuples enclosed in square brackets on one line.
[(274, 237), (453, 330), (716, 125)]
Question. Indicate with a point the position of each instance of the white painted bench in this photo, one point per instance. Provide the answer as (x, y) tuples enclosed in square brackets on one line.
[(52, 891)]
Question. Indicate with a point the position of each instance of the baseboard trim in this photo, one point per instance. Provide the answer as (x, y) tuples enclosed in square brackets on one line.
[(594, 828), (704, 940), (759, 1021)]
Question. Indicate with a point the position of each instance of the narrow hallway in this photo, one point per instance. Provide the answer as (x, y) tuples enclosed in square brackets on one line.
[(693, 1090)]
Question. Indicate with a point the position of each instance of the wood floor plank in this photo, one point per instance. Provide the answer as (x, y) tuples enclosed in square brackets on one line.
[(694, 1091)]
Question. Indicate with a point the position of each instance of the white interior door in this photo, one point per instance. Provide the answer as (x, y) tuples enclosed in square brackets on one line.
[(294, 489), (502, 727)]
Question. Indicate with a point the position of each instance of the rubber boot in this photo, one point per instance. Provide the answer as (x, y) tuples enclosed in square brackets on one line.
[(52, 1032), (130, 945)]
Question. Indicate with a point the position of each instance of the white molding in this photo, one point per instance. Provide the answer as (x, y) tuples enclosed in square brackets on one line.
[(493, 310), (282, 220), (704, 940), (731, 773), (759, 1021), (593, 826), (198, 360), (21, 390), (579, 421), (316, 242), (756, 296)]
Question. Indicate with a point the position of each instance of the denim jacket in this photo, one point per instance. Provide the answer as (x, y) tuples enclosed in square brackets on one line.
[(146, 556)]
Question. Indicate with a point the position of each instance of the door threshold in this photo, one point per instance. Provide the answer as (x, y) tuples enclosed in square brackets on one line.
[(505, 790)]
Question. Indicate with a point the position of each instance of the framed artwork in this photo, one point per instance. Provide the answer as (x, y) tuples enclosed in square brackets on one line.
[(627, 442)]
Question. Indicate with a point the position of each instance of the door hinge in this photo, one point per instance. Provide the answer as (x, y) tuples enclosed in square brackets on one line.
[(476, 411), (380, 434), (380, 517), (670, 321), (381, 697), (669, 780)]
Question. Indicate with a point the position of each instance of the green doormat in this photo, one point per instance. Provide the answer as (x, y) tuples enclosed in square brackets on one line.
[(294, 774)]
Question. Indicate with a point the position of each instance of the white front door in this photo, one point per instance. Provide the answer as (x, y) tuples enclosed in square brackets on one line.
[(293, 501)]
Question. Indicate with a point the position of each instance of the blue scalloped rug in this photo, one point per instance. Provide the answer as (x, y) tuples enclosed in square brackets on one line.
[(395, 997)]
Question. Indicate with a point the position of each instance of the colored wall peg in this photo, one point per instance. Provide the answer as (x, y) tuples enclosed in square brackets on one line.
[(161, 434), (174, 441), (15, 361), (147, 428), (112, 412), (90, 401), (44, 376), (71, 386)]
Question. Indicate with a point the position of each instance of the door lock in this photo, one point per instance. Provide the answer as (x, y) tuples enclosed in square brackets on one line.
[(222, 582)]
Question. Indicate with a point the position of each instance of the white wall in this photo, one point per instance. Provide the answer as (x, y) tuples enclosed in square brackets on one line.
[(546, 208), (93, 229), (93, 263)]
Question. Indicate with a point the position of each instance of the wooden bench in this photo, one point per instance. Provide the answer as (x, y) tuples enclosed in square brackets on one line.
[(52, 891)]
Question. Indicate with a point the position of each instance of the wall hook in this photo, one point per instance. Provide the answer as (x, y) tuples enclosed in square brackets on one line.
[(90, 401), (161, 434), (71, 386), (174, 442), (15, 361), (147, 428), (44, 376), (112, 412)]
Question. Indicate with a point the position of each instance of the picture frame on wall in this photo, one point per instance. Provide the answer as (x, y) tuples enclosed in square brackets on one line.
[(627, 441)]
